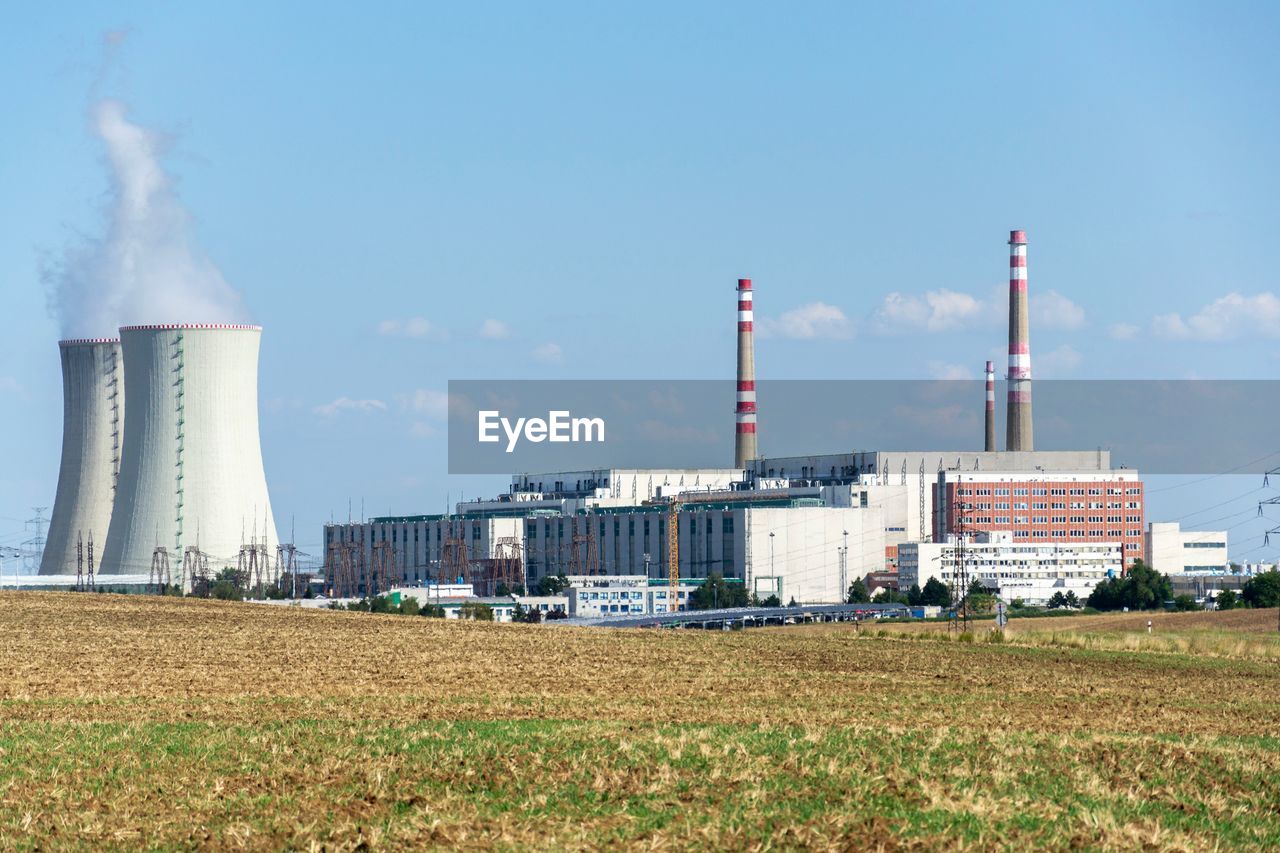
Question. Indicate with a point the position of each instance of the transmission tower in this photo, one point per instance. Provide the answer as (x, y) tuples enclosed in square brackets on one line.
[(1271, 501), (159, 579), (287, 566), (382, 571), (195, 571), (79, 561), (454, 561), (960, 572), (33, 548)]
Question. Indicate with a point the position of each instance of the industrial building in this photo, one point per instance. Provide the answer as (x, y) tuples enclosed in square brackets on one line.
[(1046, 506), (92, 426), (1174, 551), (191, 476), (1032, 571), (906, 485), (784, 547)]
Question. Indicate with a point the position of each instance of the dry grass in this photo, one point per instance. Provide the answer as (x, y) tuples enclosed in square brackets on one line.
[(1236, 634), (148, 722)]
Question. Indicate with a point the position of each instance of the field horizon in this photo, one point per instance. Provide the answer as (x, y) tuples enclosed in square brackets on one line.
[(138, 721)]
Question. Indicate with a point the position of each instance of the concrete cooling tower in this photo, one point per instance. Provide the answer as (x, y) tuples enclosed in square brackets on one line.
[(92, 425), (191, 470)]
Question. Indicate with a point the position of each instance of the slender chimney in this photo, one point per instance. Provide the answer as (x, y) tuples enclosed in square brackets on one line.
[(990, 444), (1018, 428), (744, 447)]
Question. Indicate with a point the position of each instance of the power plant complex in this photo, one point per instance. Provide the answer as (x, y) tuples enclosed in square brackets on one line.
[(162, 484), (796, 527)]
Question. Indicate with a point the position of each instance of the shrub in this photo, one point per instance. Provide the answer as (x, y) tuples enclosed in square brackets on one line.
[(475, 611)]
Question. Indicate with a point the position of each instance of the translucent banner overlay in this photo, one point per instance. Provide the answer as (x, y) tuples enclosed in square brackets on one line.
[(1158, 427)]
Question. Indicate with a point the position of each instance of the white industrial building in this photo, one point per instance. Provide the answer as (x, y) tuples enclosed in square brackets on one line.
[(788, 549), (92, 426), (1032, 571), (1172, 550), (191, 471)]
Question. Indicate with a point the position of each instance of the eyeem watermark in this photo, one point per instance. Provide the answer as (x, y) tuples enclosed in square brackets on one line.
[(558, 427)]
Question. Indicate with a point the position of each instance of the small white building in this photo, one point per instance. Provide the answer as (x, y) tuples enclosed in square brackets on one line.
[(603, 596), (544, 604), (1172, 550), (1030, 571)]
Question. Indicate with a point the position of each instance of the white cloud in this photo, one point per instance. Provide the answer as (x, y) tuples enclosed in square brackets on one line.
[(943, 370), (1056, 362), (1228, 317), (424, 401), (1124, 331), (1052, 310), (414, 327), (346, 404), (814, 320), (935, 311), (549, 354), (494, 330), (422, 429), (9, 384)]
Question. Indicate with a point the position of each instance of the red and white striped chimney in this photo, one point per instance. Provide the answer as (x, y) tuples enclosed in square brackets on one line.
[(990, 444), (1018, 427), (744, 447)]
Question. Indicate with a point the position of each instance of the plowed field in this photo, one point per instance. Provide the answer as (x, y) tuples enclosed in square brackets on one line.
[(133, 721)]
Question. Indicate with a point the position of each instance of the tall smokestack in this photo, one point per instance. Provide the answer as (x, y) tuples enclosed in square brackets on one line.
[(1018, 428), (990, 444), (744, 446)]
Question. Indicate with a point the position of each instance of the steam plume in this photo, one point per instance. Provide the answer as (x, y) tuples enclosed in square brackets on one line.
[(146, 267)]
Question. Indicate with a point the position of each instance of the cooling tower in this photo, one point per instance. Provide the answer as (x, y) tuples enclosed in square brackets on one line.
[(191, 467), (92, 422)]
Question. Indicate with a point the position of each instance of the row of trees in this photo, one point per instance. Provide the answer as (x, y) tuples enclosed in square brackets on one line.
[(1259, 591), (935, 593)]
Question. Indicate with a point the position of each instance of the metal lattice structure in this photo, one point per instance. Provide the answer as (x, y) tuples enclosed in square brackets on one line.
[(159, 579), (382, 569), (960, 571)]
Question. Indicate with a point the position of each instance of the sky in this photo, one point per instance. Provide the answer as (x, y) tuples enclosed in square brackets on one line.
[(403, 194)]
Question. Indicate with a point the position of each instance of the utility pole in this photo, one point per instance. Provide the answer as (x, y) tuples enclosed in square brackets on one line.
[(844, 567)]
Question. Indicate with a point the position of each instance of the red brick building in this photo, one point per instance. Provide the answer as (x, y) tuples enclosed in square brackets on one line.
[(1039, 507)]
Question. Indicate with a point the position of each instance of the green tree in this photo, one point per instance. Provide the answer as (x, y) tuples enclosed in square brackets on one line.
[(433, 611), (1227, 599), (409, 606), (476, 611), (771, 601), (552, 585), (1072, 599), (1057, 600), (1143, 588), (857, 592), (1185, 602), (226, 585), (715, 592), (1262, 590), (935, 594), (914, 596)]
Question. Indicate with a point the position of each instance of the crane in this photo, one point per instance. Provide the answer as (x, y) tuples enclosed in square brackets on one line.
[(673, 555)]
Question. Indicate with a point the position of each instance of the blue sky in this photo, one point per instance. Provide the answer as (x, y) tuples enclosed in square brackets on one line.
[(413, 192)]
